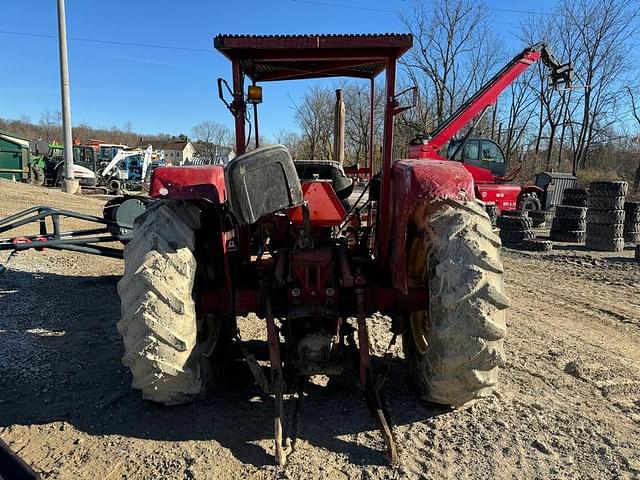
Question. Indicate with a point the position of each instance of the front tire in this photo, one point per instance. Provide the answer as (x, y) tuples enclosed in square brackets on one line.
[(529, 202), (160, 325), (36, 175), (455, 346)]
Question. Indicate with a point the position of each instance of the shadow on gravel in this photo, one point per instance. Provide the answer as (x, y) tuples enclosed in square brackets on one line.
[(582, 248), (60, 361)]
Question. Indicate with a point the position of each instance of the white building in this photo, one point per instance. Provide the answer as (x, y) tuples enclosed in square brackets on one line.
[(177, 152)]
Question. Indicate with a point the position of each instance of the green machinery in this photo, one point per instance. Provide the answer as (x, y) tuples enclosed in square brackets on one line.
[(15, 157)]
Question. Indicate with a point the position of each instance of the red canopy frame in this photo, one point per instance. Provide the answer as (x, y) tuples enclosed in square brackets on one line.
[(265, 58)]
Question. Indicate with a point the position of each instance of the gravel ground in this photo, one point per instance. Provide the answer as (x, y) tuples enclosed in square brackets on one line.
[(568, 405)]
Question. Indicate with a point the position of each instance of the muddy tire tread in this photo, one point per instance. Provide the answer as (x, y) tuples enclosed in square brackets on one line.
[(158, 314), (466, 311)]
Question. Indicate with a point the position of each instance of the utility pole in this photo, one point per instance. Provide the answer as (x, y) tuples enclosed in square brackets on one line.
[(70, 184)]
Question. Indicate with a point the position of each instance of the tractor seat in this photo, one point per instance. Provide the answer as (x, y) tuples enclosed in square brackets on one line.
[(326, 170)]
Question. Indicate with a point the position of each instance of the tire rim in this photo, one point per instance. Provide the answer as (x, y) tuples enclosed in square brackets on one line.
[(208, 335), (420, 331)]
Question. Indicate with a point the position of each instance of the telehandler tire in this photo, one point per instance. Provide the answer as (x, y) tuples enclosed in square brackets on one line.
[(455, 346), (159, 323), (529, 202)]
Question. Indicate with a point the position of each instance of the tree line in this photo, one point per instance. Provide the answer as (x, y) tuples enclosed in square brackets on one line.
[(591, 129), (49, 128), (207, 136)]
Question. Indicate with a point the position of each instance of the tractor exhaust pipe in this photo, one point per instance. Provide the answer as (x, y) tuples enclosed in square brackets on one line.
[(338, 128)]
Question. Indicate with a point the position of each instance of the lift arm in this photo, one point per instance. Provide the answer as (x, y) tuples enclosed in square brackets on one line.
[(560, 75)]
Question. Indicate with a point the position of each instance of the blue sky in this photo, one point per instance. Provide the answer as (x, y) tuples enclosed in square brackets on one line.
[(171, 90)]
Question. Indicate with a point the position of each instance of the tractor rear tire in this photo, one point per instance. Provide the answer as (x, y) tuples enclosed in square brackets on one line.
[(577, 197), (568, 211), (604, 244), (605, 230), (455, 347), (632, 236), (515, 237), (159, 323), (632, 210), (564, 224)]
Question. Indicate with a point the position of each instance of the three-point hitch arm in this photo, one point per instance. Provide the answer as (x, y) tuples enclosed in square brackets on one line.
[(560, 75)]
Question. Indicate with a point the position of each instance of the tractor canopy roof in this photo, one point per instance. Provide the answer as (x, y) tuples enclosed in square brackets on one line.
[(286, 57)]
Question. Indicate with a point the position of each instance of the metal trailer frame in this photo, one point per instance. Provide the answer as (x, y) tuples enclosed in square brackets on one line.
[(54, 237)]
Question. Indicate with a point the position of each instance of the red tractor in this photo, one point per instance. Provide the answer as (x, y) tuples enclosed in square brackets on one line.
[(268, 235)]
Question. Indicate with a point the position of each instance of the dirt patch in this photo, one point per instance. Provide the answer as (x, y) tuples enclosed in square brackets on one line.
[(568, 405)]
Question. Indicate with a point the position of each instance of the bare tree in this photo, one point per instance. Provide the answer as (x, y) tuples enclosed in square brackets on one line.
[(603, 30), (635, 111), (314, 115), (82, 132), (357, 98), (291, 140), (520, 112), (453, 54), (211, 136), (51, 123), (635, 107)]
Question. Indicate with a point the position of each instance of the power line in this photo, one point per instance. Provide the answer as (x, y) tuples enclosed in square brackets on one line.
[(395, 12), (202, 50), (354, 7), (351, 7), (525, 12), (107, 42)]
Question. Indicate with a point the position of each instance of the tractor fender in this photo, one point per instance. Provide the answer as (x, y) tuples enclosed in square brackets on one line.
[(416, 181), (193, 182), (532, 189)]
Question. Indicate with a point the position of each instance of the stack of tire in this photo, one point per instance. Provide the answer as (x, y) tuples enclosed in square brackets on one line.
[(569, 224), (605, 218), (632, 222), (514, 228), (575, 197), (516, 232)]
